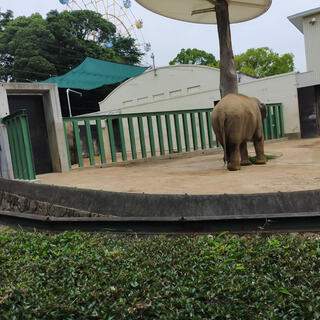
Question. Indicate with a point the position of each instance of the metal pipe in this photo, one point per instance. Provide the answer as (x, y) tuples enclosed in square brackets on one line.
[(68, 98)]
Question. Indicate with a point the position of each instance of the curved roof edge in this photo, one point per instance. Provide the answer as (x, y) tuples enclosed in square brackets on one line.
[(156, 69)]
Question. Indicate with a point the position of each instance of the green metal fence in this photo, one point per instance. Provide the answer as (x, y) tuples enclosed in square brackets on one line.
[(94, 140), (20, 145)]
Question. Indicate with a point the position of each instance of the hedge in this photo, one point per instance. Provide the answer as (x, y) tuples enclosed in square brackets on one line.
[(101, 276)]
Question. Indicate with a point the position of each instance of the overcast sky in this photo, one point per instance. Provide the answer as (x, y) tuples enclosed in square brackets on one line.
[(168, 36)]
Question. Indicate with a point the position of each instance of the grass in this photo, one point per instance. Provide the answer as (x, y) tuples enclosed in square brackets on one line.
[(99, 276), (268, 157)]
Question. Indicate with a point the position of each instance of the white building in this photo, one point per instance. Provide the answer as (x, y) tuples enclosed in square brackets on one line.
[(308, 22), (186, 87), (193, 87)]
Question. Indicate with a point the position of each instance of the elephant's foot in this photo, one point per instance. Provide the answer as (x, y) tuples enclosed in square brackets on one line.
[(246, 162), (233, 167), (261, 160)]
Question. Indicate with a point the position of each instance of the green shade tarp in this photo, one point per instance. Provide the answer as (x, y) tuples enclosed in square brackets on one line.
[(94, 73)]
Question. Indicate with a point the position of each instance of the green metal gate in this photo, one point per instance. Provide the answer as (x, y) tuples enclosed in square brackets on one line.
[(273, 125), (20, 145)]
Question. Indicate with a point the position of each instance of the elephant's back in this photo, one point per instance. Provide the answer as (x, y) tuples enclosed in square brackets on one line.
[(240, 114)]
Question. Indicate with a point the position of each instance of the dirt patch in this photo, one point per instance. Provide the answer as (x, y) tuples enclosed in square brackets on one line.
[(297, 167)]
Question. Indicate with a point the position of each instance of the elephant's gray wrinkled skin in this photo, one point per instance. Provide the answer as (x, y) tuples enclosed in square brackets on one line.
[(237, 119)]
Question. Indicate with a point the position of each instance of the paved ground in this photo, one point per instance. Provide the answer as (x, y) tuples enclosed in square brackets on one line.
[(296, 168)]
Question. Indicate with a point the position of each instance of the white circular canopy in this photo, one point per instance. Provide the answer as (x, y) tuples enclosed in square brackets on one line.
[(203, 11)]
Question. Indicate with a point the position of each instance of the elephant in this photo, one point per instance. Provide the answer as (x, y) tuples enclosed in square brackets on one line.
[(237, 119)]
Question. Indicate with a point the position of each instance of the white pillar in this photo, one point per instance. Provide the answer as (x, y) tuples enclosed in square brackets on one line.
[(6, 170)]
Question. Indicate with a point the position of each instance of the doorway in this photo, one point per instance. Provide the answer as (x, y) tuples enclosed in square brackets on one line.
[(308, 98), (33, 104)]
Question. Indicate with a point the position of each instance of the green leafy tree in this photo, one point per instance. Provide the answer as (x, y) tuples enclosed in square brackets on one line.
[(261, 62), (34, 48), (264, 62), (194, 56), (24, 40), (6, 60)]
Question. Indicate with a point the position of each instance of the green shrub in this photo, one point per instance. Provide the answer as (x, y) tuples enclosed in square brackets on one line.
[(99, 276)]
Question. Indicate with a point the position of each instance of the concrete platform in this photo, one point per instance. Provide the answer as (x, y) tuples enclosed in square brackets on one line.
[(296, 168)]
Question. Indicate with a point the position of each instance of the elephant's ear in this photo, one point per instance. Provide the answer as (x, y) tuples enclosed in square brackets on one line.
[(263, 110)]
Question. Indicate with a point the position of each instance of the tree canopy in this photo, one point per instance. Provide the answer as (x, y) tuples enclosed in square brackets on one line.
[(194, 56), (34, 48), (264, 62), (260, 62)]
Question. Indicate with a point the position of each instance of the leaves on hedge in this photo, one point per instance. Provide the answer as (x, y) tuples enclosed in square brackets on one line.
[(98, 276)]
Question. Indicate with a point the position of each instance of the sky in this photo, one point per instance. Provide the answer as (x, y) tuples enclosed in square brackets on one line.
[(168, 36)]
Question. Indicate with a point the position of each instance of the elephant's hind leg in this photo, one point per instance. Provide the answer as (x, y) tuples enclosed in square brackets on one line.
[(244, 154), (259, 148), (234, 160)]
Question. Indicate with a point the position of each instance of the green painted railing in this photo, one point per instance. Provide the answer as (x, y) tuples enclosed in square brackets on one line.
[(94, 140), (20, 145), (136, 136)]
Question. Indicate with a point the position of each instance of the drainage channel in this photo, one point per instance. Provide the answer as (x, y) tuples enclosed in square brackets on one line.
[(255, 223)]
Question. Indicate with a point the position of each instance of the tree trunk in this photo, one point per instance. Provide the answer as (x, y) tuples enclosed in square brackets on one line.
[(228, 73)]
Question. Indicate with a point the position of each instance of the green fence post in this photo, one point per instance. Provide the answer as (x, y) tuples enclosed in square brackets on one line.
[(141, 136), (17, 148), (132, 138), (186, 131), (22, 148), (151, 136), (123, 141), (111, 140), (67, 143), (90, 144), (277, 122), (20, 145), (169, 133), (209, 128), (28, 148), (265, 129), (12, 151), (78, 142), (281, 120), (194, 131), (270, 118), (101, 142), (160, 135), (201, 127), (177, 130)]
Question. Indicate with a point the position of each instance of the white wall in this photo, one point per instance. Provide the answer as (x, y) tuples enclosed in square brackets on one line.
[(172, 88), (203, 84), (312, 41), (278, 89), (308, 79)]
